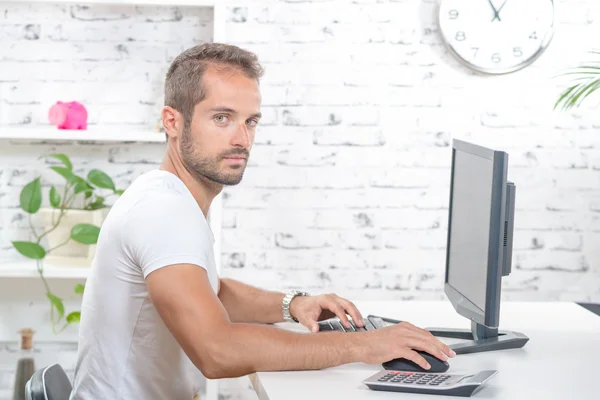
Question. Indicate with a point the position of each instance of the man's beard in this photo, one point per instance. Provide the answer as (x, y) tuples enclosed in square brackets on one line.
[(205, 168)]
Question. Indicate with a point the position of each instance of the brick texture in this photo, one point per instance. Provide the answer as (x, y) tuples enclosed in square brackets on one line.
[(347, 189)]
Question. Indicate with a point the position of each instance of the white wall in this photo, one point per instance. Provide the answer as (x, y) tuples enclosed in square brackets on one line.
[(348, 184)]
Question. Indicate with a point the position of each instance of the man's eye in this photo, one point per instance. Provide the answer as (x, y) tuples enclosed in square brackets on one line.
[(252, 122), (221, 118)]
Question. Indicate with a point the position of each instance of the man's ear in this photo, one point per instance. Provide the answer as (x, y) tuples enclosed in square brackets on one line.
[(172, 121)]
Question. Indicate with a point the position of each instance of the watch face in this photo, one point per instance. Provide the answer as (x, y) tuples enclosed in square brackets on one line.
[(497, 36)]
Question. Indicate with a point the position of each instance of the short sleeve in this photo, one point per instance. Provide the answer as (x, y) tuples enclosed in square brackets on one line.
[(166, 229)]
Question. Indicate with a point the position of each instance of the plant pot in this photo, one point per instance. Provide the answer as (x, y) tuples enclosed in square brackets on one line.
[(71, 254)]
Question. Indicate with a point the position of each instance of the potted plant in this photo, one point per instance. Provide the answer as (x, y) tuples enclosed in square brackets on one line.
[(586, 80), (70, 226)]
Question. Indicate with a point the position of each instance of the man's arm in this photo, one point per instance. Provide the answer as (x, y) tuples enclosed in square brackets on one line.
[(187, 304), (245, 303), (193, 313)]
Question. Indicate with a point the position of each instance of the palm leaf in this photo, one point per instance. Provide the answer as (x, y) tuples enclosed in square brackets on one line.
[(585, 83), (582, 91), (585, 80), (564, 96)]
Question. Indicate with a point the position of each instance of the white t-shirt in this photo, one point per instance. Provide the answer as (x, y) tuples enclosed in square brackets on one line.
[(125, 350)]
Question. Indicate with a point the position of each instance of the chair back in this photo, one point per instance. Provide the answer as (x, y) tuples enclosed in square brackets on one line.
[(49, 383)]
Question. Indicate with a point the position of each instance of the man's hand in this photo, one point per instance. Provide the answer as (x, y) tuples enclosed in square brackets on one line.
[(401, 341), (310, 309)]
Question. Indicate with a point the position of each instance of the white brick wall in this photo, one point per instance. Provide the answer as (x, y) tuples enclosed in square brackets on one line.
[(348, 184), (364, 184)]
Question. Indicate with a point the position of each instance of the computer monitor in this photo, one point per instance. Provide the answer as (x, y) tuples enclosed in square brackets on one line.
[(479, 245)]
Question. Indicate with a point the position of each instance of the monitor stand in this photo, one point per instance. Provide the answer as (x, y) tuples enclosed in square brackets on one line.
[(481, 338)]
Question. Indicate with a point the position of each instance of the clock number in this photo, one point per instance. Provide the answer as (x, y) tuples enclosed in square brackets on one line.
[(453, 14), (517, 52), (475, 49), (460, 36), (496, 57), (533, 36)]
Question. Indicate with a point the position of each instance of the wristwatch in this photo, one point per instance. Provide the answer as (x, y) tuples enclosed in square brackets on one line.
[(285, 304)]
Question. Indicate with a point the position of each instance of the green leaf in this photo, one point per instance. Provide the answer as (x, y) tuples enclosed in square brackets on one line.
[(83, 186), (85, 233), (74, 317), (31, 196), (97, 204), (120, 191), (64, 159), (79, 288), (54, 197), (65, 173), (100, 179), (585, 81), (576, 97), (30, 249), (564, 95), (58, 304), (591, 88)]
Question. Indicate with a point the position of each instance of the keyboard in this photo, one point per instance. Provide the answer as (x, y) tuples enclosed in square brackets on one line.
[(463, 385), (371, 323)]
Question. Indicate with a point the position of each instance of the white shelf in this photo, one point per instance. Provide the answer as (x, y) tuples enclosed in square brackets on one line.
[(27, 269), (93, 133), (191, 3)]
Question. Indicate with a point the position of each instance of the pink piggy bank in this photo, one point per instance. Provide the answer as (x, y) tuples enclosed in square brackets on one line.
[(70, 115)]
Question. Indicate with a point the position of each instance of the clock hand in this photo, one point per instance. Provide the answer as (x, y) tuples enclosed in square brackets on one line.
[(500, 9), (495, 12)]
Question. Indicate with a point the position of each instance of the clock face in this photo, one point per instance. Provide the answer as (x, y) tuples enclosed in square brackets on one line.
[(497, 36)]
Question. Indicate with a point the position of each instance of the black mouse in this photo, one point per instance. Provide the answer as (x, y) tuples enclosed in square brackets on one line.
[(402, 364)]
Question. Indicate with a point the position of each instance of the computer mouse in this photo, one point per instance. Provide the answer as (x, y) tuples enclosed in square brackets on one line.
[(402, 364)]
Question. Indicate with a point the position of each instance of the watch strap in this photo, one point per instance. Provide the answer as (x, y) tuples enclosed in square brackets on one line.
[(285, 304)]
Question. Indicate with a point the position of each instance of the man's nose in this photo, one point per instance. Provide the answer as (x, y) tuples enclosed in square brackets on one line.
[(241, 137)]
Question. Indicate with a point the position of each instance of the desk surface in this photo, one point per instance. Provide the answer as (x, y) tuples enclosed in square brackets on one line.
[(560, 361)]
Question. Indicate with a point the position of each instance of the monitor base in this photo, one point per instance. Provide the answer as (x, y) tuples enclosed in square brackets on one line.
[(481, 338)]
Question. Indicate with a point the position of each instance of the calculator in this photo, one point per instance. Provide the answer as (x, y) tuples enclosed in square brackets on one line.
[(463, 385)]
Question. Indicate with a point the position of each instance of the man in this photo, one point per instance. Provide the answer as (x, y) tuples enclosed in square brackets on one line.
[(155, 315)]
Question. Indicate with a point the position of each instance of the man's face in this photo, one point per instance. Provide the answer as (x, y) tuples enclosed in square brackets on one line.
[(218, 143)]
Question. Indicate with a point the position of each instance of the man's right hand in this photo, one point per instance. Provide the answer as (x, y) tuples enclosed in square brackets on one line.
[(401, 341), (190, 309)]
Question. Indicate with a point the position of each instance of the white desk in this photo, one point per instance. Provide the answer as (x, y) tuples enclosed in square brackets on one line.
[(560, 361)]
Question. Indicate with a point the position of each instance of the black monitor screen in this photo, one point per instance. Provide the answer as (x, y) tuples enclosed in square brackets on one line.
[(470, 226)]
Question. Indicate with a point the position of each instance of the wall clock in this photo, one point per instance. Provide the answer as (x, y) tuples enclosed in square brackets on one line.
[(497, 36)]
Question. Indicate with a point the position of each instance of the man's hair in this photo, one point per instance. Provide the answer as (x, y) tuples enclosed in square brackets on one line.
[(183, 84)]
